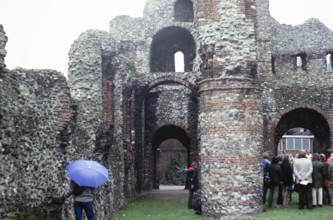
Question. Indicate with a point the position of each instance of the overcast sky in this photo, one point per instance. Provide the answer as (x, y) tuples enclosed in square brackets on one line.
[(40, 32)]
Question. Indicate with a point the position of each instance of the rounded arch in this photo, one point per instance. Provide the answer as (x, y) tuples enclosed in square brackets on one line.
[(153, 128), (159, 137), (170, 132), (307, 118), (166, 43), (171, 80), (151, 83)]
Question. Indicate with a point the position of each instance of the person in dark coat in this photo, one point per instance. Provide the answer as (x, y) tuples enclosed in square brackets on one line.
[(192, 182), (274, 170), (287, 180), (317, 180), (326, 189), (266, 179)]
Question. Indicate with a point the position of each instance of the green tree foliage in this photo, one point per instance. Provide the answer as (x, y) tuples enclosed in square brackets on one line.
[(175, 175)]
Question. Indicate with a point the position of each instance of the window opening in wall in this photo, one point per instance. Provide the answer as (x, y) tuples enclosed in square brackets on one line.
[(298, 142), (184, 11), (329, 61), (296, 139), (301, 61), (168, 41), (179, 62)]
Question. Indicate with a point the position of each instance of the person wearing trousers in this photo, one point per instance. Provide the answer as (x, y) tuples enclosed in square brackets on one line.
[(83, 201), (274, 170), (326, 189), (303, 172), (317, 181), (287, 180), (192, 182)]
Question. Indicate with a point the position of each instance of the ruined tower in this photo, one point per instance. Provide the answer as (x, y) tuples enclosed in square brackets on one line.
[(217, 97), (212, 107), (229, 108), (241, 82)]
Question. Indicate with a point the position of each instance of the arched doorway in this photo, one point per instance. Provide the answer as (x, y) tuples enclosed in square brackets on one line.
[(170, 147), (307, 119), (168, 111)]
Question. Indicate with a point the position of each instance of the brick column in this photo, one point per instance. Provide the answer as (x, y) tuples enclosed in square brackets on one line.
[(230, 127)]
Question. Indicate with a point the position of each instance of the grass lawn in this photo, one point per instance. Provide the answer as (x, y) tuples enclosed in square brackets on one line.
[(293, 213), (145, 209)]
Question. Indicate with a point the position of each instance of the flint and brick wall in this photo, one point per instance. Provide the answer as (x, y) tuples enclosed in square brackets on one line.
[(228, 109), (34, 110), (230, 130), (289, 87)]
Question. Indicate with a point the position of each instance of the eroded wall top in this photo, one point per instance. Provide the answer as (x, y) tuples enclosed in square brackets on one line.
[(3, 41), (311, 37)]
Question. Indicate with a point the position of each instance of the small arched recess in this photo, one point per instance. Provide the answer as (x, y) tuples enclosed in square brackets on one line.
[(166, 43), (184, 11)]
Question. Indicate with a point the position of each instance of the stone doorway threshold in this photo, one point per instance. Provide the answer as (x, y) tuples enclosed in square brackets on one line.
[(165, 192)]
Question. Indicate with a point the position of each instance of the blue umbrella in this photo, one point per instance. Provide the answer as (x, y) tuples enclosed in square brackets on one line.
[(88, 173)]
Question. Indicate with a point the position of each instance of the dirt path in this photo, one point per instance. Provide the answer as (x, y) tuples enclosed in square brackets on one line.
[(166, 192), (173, 192)]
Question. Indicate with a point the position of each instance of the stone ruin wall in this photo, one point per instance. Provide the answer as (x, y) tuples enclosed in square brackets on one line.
[(45, 125), (85, 74), (96, 77), (290, 87), (35, 109), (229, 116), (51, 125), (3, 41)]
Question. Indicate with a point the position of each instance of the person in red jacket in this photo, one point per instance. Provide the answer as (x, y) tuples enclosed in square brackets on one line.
[(192, 182)]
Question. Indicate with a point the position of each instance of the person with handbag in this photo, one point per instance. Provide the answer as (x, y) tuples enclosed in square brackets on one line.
[(192, 182), (303, 172), (83, 200)]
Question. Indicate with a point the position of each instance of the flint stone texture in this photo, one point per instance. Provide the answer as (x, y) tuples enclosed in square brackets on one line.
[(3, 52), (242, 89), (35, 107)]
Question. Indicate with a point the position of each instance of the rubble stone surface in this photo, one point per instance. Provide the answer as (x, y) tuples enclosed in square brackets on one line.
[(241, 90)]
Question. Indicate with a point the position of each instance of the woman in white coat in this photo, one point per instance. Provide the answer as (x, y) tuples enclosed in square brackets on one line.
[(303, 172)]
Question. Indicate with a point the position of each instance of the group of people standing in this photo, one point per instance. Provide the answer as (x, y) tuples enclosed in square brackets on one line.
[(309, 175)]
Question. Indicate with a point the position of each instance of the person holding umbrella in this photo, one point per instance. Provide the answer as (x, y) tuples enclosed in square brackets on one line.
[(83, 200), (85, 175)]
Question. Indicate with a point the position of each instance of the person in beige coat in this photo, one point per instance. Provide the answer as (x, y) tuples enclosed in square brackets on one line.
[(303, 172)]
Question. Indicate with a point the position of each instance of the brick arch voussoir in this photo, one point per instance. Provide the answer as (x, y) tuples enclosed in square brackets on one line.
[(171, 24), (285, 111), (152, 83), (161, 124), (167, 79)]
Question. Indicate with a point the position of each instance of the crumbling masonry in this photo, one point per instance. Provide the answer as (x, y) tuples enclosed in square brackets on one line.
[(242, 88)]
